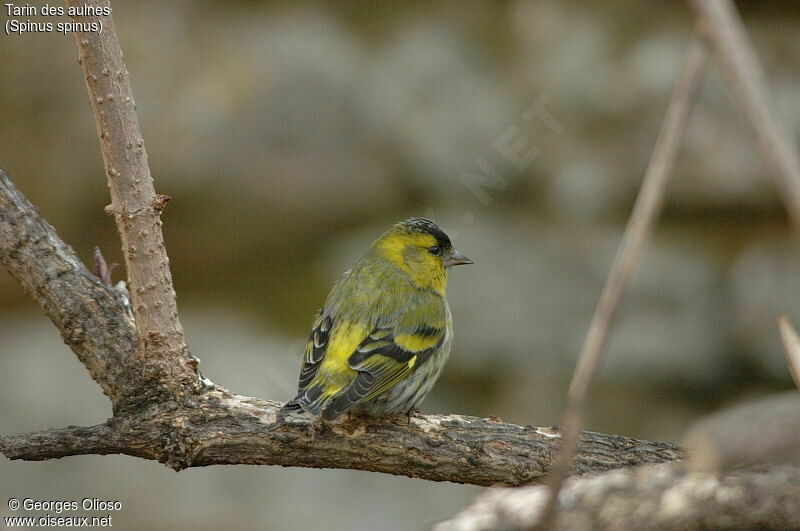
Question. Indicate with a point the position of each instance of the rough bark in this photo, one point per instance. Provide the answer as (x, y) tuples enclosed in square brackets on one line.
[(221, 428), (663, 496), (91, 317)]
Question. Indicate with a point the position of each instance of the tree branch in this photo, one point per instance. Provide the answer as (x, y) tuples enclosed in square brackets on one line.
[(654, 497), (136, 207), (91, 317), (223, 428)]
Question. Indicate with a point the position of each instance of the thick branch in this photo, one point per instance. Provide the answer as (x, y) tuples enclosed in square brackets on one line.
[(136, 207), (653, 497), (222, 428), (91, 317)]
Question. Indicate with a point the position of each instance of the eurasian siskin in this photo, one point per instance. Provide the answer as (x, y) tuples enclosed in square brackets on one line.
[(384, 334)]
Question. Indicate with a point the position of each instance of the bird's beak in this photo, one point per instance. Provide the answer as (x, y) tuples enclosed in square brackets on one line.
[(456, 258)]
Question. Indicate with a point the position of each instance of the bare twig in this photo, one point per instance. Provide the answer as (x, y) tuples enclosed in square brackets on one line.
[(136, 208), (645, 211), (791, 346), (101, 268), (739, 64)]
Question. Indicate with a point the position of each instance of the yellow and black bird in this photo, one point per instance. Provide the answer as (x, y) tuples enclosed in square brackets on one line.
[(381, 340)]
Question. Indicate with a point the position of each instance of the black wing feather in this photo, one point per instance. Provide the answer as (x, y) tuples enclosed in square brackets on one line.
[(315, 351)]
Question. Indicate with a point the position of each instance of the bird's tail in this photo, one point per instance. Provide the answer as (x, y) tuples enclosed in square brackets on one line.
[(290, 408)]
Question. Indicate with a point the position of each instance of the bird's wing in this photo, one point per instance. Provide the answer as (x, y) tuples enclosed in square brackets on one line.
[(386, 356), (325, 372), (315, 350)]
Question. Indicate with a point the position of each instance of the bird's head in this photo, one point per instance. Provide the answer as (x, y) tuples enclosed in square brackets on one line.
[(419, 248)]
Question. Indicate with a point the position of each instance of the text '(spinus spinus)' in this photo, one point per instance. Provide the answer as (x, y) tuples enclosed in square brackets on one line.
[(381, 340)]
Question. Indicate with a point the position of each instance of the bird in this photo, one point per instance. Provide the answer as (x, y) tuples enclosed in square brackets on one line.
[(383, 336)]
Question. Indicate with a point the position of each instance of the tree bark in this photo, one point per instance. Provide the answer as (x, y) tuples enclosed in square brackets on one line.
[(221, 428), (92, 318)]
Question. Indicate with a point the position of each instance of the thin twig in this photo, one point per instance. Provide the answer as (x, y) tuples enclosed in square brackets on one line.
[(135, 205), (740, 66), (645, 211), (101, 268), (791, 346)]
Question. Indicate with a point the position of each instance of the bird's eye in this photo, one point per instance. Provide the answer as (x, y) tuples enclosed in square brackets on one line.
[(435, 250)]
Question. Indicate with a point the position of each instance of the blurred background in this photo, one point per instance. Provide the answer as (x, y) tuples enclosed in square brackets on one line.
[(291, 134)]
